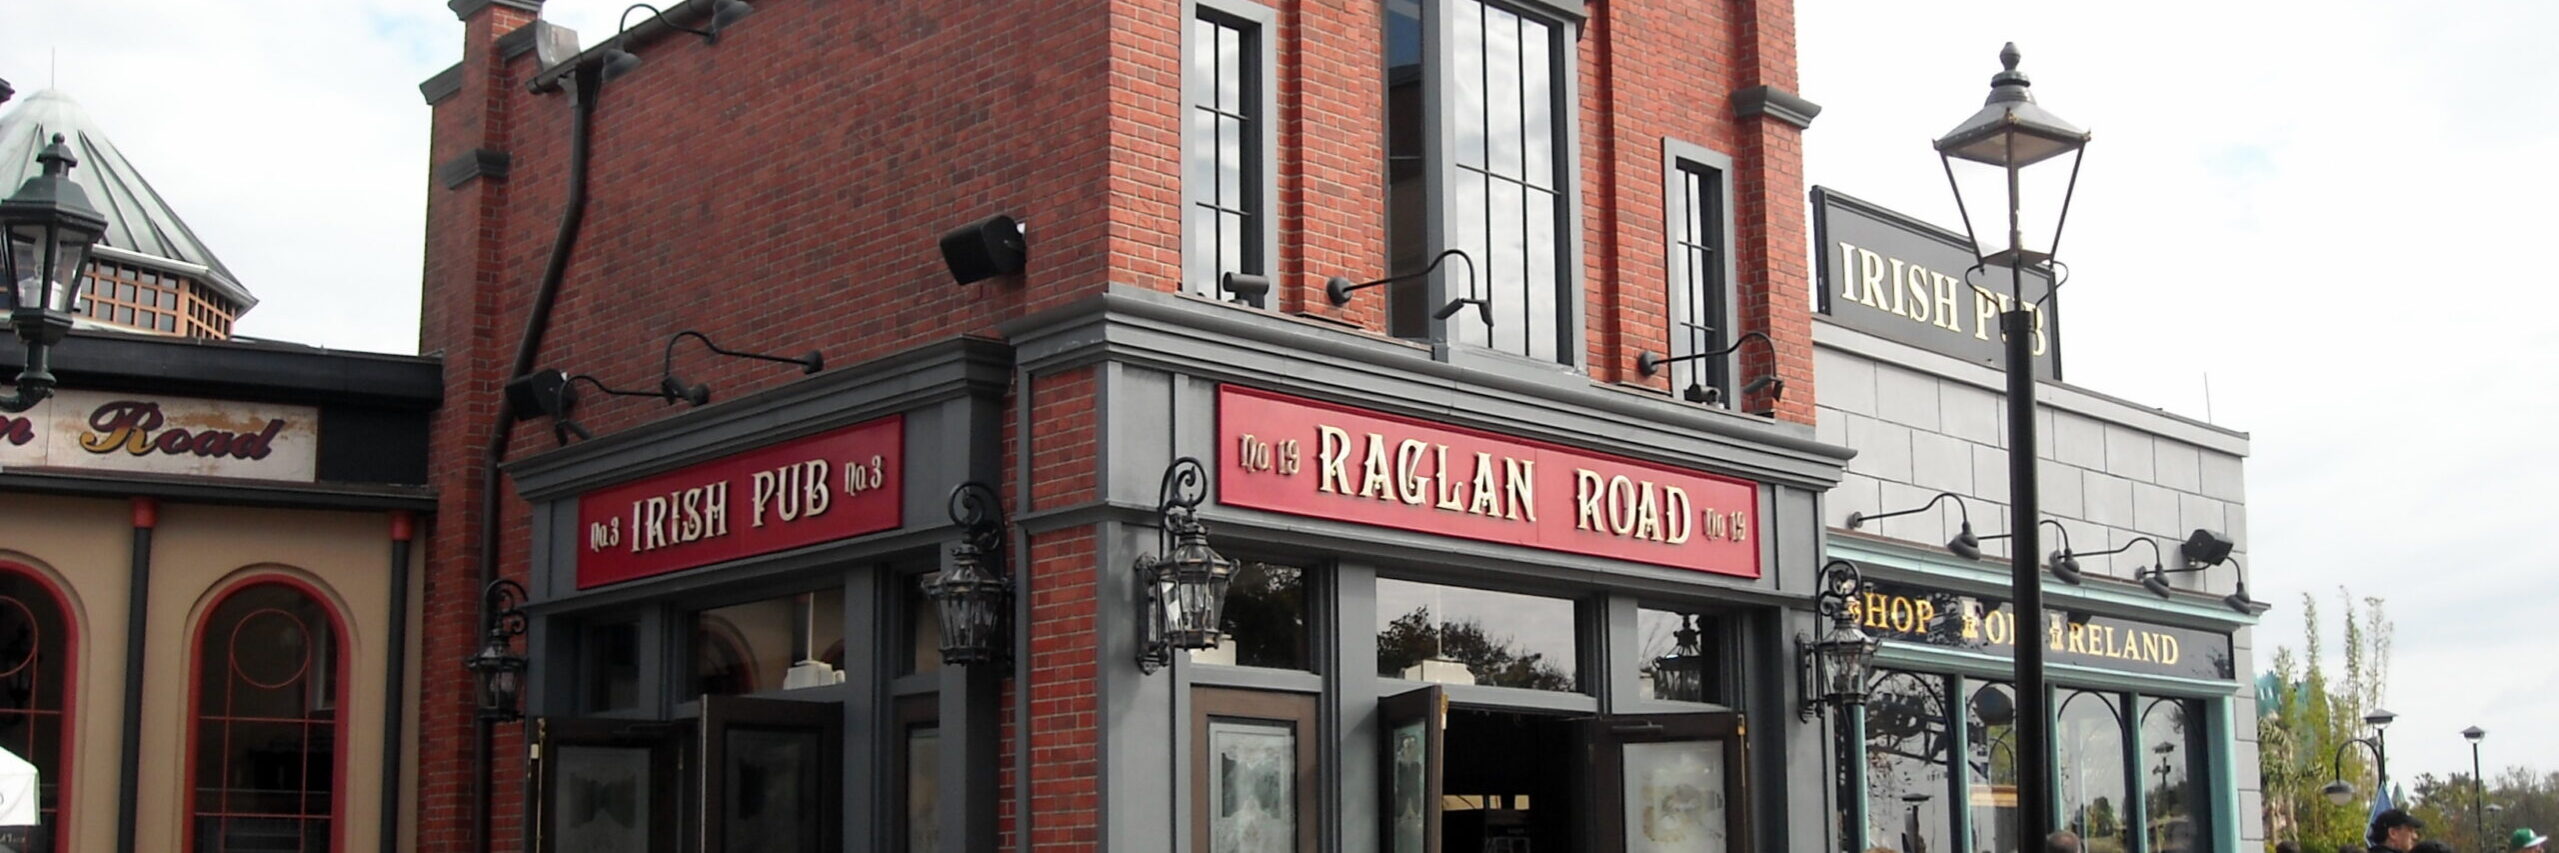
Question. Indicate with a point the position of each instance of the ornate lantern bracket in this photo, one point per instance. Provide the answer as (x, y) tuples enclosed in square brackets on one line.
[(499, 667), (974, 592), (1183, 584), (1832, 670)]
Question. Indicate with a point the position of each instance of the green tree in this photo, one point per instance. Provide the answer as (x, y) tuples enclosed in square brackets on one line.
[(2302, 738), (1415, 637)]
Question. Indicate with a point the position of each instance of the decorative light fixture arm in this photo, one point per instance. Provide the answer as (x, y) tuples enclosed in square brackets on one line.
[(2380, 759), (974, 590), (1183, 585), (2156, 558), (497, 664), (675, 389), (1831, 670), (1648, 363), (1338, 289), (1859, 519)]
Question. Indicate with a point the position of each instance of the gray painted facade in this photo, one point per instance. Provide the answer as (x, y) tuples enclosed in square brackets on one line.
[(2110, 471), (1160, 360)]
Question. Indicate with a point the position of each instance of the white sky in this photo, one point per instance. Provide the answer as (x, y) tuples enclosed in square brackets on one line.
[(2335, 209)]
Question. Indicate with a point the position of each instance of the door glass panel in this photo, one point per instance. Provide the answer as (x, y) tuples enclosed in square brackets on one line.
[(2174, 802), (1252, 787), (1991, 769), (771, 801), (923, 775), (600, 795), (2090, 739), (1410, 750), (772, 644), (1265, 620), (1674, 795)]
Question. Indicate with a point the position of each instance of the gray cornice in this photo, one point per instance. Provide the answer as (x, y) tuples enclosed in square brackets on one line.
[(445, 84), (475, 163), (1775, 103), (842, 396), (224, 491), (464, 9), (1228, 343)]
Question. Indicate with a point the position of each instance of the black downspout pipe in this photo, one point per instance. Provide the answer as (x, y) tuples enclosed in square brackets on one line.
[(395, 677), (586, 79), (137, 616)]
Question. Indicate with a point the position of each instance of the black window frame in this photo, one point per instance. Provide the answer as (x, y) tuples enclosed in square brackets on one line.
[(1256, 108), (1462, 335), (1699, 269)]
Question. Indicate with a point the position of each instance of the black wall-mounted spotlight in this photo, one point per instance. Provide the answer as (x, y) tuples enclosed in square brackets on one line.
[(1247, 288), (1648, 363), (1338, 290), (553, 393), (985, 249), (673, 388), (2238, 599), (2063, 563), (2205, 547), (619, 61), (2072, 557), (1965, 544)]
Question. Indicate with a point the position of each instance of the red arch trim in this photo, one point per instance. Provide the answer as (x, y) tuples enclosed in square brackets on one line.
[(195, 693), (70, 699)]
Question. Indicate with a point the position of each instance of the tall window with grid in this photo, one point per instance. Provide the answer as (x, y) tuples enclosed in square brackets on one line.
[(1225, 211), (35, 658), (1698, 297), (267, 724)]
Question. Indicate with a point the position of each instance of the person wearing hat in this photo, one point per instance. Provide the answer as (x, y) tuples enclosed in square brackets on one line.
[(2394, 831), (2525, 840)]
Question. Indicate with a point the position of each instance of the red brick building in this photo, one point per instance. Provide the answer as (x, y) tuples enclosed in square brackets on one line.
[(1575, 576)]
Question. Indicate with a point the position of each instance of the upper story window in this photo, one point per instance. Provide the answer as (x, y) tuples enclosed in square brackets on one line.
[(1701, 268), (1479, 159), (1226, 184)]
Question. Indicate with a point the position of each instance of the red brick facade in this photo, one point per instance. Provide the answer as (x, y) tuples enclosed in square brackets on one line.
[(781, 190)]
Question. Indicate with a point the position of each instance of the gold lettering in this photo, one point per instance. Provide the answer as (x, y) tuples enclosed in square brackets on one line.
[(1947, 317), (689, 511), (1332, 451), (813, 487), (1927, 613), (1681, 516), (1621, 505), (1900, 304), (1876, 604), (1374, 480), (1903, 615), (1520, 488), (1985, 313), (1450, 488), (1999, 628), (1741, 525), (2168, 645), (1488, 490), (1870, 271), (1410, 486), (1648, 514), (715, 509), (1972, 622), (1585, 499), (1917, 285), (761, 488)]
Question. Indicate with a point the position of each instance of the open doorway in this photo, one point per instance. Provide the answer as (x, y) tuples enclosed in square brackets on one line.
[(1509, 783)]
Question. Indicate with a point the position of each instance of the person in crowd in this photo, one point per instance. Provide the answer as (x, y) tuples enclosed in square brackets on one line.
[(2063, 841), (2432, 847), (2525, 841), (2394, 831), (2287, 847)]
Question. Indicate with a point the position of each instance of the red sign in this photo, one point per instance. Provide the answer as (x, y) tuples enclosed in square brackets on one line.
[(1302, 457), (800, 492)]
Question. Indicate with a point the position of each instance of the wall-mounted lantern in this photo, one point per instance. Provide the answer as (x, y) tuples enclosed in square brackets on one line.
[(973, 594), (499, 667), (1833, 669), (1185, 581)]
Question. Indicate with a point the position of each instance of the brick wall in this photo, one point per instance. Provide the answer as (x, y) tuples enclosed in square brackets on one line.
[(782, 190)]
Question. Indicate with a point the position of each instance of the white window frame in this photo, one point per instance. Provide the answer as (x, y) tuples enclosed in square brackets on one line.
[(1199, 182)]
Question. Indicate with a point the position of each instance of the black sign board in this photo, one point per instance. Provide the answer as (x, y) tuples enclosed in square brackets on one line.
[(1904, 280), (1932, 617)]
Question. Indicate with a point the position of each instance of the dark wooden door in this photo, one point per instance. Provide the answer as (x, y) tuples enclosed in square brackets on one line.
[(772, 776), (1414, 726), (607, 785), (1669, 783)]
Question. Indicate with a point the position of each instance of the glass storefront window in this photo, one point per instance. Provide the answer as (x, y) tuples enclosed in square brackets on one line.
[(2089, 742), (771, 644), (1265, 620), (1908, 764), (1990, 769), (2172, 789), (924, 641), (1456, 635), (1664, 670)]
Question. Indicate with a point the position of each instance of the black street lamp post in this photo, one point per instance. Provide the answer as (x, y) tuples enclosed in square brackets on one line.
[(2478, 786), (2378, 744), (2008, 134)]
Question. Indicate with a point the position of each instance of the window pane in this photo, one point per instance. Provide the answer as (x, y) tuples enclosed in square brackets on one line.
[(1468, 218), (1681, 668), (1455, 635), (924, 640), (2174, 793), (1674, 795), (265, 728), (1252, 787), (923, 788), (2090, 741), (1265, 620), (1466, 84), (771, 644), (1501, 93), (1908, 764), (1544, 277), (33, 639), (1991, 769), (1537, 92), (1508, 265)]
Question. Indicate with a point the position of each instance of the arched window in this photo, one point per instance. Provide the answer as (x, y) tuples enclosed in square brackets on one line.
[(35, 661), (266, 723)]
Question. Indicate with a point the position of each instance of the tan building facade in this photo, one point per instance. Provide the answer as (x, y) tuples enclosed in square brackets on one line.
[(267, 513)]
